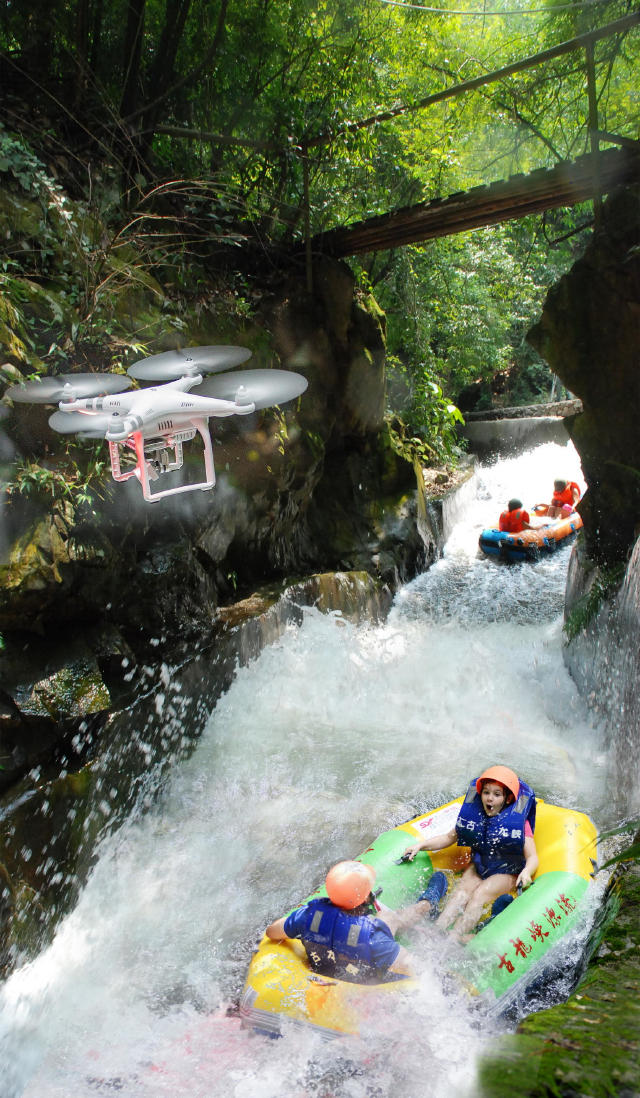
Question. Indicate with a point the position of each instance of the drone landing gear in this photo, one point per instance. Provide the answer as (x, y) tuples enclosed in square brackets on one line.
[(153, 459)]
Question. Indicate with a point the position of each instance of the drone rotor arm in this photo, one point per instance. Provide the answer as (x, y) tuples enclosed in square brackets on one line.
[(219, 406), (120, 427)]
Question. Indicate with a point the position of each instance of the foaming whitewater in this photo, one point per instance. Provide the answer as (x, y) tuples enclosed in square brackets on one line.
[(333, 735)]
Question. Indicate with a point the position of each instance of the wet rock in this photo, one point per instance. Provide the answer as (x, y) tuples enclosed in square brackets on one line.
[(588, 333), (7, 913), (602, 620)]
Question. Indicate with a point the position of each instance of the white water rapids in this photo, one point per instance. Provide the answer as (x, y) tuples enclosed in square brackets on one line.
[(333, 735)]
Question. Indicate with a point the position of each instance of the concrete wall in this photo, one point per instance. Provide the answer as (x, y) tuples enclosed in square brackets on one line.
[(506, 437)]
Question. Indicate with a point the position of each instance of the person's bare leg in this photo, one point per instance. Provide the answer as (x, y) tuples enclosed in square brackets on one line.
[(407, 916), (486, 892), (459, 898)]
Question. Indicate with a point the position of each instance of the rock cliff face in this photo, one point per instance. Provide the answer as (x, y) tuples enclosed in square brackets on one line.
[(589, 333), (604, 659), (91, 596)]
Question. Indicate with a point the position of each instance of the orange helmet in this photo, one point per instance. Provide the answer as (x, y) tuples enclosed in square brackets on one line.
[(501, 774), (349, 883)]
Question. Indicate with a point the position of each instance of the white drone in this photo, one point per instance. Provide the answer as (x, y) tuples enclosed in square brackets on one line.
[(156, 421)]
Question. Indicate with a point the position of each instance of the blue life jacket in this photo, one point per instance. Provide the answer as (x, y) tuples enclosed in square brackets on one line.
[(497, 842), (339, 944)]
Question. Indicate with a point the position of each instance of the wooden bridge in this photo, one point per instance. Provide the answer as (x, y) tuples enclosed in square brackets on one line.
[(565, 184)]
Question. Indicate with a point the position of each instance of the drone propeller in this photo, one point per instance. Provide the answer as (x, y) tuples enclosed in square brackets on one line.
[(171, 365), (259, 387), (82, 423), (51, 390)]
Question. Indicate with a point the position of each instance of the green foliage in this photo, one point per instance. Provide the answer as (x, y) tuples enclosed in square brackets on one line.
[(17, 158), (66, 481), (12, 322), (603, 587), (426, 429), (178, 154), (311, 68), (75, 287), (463, 305), (282, 431)]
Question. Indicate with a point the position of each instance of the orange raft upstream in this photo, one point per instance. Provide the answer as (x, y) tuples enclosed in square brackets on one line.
[(500, 961), (531, 544)]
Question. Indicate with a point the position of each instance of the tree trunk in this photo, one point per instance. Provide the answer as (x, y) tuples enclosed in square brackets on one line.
[(132, 54), (82, 50), (96, 34)]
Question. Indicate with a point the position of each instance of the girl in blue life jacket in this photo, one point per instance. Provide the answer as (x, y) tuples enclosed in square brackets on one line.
[(496, 820)]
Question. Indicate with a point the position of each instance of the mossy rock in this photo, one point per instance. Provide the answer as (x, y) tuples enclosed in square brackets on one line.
[(34, 564), (28, 918), (20, 217), (74, 691)]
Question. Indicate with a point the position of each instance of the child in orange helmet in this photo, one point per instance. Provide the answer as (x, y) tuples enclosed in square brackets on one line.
[(496, 820), (347, 934)]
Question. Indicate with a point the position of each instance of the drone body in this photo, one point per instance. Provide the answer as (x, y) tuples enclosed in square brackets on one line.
[(156, 421)]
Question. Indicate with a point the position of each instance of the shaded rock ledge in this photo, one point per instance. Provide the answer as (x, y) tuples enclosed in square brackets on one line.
[(61, 689)]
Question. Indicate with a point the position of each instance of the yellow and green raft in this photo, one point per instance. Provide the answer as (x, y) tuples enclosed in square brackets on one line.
[(503, 956)]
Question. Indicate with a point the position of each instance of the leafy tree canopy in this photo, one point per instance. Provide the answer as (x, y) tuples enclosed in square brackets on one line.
[(269, 119)]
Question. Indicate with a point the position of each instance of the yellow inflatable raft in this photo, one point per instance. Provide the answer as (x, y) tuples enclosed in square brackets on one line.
[(502, 957)]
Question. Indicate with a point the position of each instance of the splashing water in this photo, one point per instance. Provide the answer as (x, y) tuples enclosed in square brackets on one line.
[(333, 735)]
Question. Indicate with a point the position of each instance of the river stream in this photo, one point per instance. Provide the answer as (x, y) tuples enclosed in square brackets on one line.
[(333, 735)]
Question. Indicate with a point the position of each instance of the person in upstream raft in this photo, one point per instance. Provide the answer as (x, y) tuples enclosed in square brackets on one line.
[(514, 519), (566, 494), (497, 821), (347, 934)]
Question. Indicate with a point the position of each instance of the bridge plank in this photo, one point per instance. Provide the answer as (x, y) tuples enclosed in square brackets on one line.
[(565, 184)]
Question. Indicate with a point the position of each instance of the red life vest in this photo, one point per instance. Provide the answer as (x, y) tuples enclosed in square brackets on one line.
[(566, 495), (512, 522)]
